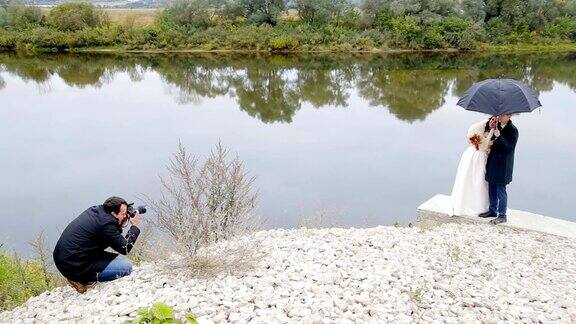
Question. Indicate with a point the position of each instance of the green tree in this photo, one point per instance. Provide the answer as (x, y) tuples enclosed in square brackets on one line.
[(322, 11), (190, 13), (3, 17), (74, 16), (376, 13), (426, 11), (19, 16), (474, 10), (263, 11)]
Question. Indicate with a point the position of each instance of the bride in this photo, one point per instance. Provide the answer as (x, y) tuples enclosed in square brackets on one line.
[(470, 192)]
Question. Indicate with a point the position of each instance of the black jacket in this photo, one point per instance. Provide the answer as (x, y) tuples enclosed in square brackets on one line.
[(500, 162), (79, 254)]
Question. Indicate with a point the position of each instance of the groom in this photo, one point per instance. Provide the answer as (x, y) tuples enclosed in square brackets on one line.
[(499, 166)]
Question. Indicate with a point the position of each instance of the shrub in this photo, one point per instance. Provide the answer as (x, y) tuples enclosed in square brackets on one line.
[(283, 43), (406, 32), (456, 32), (3, 17), (19, 280), (204, 205), (432, 38), (187, 13), (497, 31), (8, 40), (74, 16), (564, 28), (263, 11), (160, 313), (19, 16)]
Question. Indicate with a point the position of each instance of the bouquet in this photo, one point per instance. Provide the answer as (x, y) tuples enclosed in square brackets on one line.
[(476, 140)]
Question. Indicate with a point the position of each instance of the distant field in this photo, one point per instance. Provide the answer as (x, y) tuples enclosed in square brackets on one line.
[(139, 17)]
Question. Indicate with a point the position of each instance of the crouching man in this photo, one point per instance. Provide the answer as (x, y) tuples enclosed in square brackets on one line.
[(80, 252)]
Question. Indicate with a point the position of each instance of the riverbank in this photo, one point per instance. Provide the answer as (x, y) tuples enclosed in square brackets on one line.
[(245, 39), (383, 274), (184, 27), (483, 48)]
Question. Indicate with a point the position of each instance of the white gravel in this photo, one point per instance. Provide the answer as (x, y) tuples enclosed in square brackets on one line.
[(449, 274)]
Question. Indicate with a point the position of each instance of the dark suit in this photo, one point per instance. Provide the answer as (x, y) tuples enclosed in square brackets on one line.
[(500, 166), (79, 253)]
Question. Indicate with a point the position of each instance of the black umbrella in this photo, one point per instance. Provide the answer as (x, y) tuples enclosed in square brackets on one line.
[(500, 96)]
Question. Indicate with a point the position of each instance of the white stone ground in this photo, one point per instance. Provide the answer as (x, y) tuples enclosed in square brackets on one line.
[(450, 274)]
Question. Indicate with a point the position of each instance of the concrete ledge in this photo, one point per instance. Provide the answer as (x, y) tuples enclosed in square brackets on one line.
[(437, 211)]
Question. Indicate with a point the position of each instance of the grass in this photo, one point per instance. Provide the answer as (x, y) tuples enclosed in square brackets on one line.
[(19, 280), (126, 17), (417, 294), (455, 253), (133, 17)]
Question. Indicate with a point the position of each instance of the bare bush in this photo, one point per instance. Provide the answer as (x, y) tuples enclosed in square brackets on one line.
[(203, 205)]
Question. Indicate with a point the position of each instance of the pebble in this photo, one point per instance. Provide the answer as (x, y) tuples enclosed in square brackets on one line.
[(371, 275)]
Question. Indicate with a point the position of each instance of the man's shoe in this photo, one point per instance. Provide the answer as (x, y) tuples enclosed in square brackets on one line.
[(80, 287), (500, 219), (488, 214)]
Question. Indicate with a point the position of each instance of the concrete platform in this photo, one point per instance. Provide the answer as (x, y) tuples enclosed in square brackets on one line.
[(437, 210)]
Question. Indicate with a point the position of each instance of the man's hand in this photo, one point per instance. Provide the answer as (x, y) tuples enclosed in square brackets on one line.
[(136, 220)]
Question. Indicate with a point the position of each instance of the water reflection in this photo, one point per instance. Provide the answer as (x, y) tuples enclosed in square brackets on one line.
[(321, 133), (274, 88)]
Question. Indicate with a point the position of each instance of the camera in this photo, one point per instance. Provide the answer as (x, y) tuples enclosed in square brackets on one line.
[(132, 212)]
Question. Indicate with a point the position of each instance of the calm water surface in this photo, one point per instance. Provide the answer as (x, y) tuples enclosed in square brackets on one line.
[(361, 139)]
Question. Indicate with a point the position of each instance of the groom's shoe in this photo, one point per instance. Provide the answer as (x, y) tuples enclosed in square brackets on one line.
[(500, 219), (488, 214)]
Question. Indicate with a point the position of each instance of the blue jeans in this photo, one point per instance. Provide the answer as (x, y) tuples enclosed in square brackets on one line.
[(498, 198), (119, 267)]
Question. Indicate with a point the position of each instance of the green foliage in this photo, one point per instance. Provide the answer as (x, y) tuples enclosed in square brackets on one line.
[(323, 11), (323, 25), (262, 11), (455, 253), (417, 294), (160, 313), (283, 43), (456, 33), (376, 13), (564, 28), (188, 14), (21, 17), (74, 16), (406, 32), (497, 30), (474, 10), (19, 280), (427, 11), (3, 17)]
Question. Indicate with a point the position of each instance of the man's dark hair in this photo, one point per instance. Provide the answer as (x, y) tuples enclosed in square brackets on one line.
[(113, 204)]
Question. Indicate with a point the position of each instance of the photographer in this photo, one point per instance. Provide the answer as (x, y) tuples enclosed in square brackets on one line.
[(80, 252)]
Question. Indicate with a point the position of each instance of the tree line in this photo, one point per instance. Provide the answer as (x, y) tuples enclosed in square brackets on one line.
[(297, 25)]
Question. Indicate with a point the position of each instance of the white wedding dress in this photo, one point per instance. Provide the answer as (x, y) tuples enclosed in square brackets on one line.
[(470, 192)]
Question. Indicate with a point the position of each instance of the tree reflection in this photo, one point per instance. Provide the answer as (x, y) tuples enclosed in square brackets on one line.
[(409, 94), (274, 88), (267, 94)]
